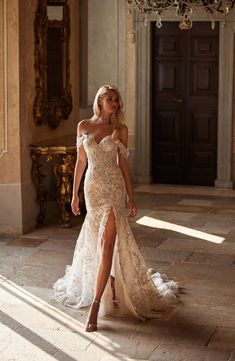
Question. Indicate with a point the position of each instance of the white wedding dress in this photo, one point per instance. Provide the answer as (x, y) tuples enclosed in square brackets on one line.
[(137, 291)]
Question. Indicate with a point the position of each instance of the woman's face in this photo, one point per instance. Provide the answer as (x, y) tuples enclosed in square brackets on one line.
[(109, 102)]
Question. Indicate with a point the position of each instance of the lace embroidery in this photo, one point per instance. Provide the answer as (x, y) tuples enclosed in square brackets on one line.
[(79, 140), (123, 149)]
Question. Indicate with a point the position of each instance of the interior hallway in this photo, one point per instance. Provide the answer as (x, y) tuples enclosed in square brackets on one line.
[(203, 328)]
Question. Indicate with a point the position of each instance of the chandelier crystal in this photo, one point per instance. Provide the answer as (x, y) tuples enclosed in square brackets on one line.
[(184, 9)]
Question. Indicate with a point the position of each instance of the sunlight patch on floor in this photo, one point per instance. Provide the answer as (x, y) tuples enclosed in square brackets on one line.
[(39, 305), (157, 223)]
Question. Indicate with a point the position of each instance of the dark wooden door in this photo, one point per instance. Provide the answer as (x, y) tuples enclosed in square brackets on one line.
[(185, 104)]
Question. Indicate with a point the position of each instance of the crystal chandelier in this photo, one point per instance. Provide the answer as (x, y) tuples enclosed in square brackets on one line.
[(184, 9)]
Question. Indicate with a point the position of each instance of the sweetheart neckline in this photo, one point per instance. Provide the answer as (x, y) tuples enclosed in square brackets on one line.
[(98, 143)]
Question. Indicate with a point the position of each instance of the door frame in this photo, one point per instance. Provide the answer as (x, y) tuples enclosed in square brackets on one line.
[(144, 94)]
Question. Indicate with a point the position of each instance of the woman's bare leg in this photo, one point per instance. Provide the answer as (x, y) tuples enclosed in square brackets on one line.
[(105, 263), (104, 267)]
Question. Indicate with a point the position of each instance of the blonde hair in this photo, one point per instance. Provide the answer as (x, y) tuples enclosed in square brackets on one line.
[(116, 118)]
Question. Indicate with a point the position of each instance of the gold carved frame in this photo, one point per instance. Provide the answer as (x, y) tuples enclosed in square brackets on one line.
[(53, 101)]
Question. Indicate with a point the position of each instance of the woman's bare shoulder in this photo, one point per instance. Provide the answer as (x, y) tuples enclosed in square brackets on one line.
[(83, 126), (123, 134)]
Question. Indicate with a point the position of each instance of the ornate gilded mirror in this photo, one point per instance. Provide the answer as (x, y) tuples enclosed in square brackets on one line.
[(53, 99)]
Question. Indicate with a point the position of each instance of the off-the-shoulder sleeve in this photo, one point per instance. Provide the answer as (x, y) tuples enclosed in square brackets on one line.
[(123, 149), (79, 141)]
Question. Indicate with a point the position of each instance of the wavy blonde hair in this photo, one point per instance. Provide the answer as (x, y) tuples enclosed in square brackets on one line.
[(116, 118)]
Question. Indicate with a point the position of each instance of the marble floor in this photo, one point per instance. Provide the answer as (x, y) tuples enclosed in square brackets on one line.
[(186, 232)]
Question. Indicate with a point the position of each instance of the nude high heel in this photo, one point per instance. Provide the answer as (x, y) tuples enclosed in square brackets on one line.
[(92, 326)]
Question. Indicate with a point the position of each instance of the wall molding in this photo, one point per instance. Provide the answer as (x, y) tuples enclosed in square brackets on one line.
[(121, 47), (4, 146)]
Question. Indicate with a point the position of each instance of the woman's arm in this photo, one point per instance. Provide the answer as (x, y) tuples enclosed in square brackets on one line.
[(79, 170), (123, 164)]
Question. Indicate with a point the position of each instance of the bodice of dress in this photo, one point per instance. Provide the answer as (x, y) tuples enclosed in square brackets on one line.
[(104, 184), (106, 150)]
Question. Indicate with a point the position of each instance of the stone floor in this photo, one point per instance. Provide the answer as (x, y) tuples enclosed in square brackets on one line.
[(186, 232)]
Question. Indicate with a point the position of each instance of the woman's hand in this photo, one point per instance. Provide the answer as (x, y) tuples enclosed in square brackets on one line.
[(75, 205), (132, 207)]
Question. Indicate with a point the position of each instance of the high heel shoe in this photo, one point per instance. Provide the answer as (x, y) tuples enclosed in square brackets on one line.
[(92, 326)]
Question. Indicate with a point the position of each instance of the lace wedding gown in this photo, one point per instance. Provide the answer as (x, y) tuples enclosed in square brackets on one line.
[(137, 292)]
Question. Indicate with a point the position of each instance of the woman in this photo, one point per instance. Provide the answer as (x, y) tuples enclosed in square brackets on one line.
[(105, 245)]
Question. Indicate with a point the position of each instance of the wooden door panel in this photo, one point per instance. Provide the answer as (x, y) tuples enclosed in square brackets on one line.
[(169, 78), (202, 47), (184, 104), (166, 161), (203, 128), (203, 165), (202, 159), (169, 46), (167, 158), (204, 80), (200, 148), (168, 126)]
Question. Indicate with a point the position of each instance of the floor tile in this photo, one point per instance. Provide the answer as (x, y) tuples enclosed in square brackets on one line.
[(55, 339), (4, 332), (178, 189), (162, 255), (206, 293), (14, 256), (113, 358), (222, 227), (26, 242), (26, 352), (30, 275), (212, 275), (206, 315), (19, 315), (60, 245), (52, 258), (196, 202), (78, 356), (223, 211), (170, 333), (223, 339), (3, 241), (198, 245), (171, 216), (114, 326), (211, 259), (230, 237), (121, 347), (184, 353)]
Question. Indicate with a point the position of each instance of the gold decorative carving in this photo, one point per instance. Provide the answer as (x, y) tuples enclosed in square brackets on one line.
[(63, 169), (53, 102), (64, 173)]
